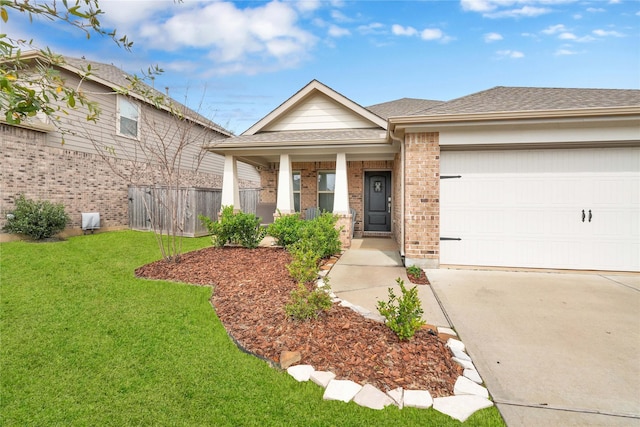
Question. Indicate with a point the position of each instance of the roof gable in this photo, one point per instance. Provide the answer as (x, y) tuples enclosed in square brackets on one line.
[(317, 107)]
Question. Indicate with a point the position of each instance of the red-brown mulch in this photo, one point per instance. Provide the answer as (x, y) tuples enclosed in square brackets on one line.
[(251, 288), (420, 279)]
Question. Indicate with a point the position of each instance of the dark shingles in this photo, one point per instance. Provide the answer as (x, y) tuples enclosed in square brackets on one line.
[(502, 98), (402, 107)]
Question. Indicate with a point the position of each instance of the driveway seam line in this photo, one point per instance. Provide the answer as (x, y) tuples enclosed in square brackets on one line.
[(565, 409), (619, 283)]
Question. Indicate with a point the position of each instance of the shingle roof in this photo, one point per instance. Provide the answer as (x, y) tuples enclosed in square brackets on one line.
[(310, 136), (502, 98), (402, 107), (120, 78)]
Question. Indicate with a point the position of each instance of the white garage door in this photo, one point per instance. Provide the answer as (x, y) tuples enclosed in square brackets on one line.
[(565, 208)]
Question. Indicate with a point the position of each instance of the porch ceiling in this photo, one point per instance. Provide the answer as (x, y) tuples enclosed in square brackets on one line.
[(305, 146)]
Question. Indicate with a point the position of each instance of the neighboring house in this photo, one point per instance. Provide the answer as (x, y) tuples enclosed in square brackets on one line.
[(45, 164), (510, 176)]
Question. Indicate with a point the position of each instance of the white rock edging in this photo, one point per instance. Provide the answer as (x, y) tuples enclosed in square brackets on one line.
[(469, 396)]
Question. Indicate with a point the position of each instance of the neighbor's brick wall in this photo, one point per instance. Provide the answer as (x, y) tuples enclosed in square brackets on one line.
[(82, 182), (309, 184), (422, 198)]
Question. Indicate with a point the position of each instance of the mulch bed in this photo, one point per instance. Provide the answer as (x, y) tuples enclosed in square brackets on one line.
[(251, 288)]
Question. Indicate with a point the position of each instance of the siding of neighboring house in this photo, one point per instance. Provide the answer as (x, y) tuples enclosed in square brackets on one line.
[(40, 166), (82, 181)]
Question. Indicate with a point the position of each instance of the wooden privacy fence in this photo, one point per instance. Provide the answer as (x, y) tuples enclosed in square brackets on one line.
[(191, 202)]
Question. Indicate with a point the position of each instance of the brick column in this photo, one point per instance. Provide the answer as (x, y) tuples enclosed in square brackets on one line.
[(422, 200)]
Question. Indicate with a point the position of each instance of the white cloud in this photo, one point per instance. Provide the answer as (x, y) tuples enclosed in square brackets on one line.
[(510, 8), (526, 11), (373, 28), (595, 9), (567, 36), (565, 52), (307, 5), (399, 30), (340, 17), (604, 33), (492, 37), (269, 32), (553, 29), (514, 54), (335, 31), (431, 34)]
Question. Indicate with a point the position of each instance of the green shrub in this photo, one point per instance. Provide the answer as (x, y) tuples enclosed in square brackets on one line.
[(404, 315), (414, 270), (36, 219), (286, 229), (240, 228), (247, 230), (304, 266), (305, 304), (324, 235)]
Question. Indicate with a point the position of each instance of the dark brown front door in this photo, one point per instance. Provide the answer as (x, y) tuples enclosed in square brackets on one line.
[(377, 201)]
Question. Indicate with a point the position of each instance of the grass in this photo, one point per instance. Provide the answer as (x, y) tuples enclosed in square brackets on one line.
[(84, 342)]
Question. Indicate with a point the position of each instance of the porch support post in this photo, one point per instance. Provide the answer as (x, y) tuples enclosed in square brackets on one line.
[(230, 189), (284, 199), (341, 192)]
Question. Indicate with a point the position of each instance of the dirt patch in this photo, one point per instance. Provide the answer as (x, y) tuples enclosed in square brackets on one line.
[(251, 287)]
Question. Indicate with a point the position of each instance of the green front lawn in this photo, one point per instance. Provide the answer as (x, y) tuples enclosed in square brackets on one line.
[(84, 342)]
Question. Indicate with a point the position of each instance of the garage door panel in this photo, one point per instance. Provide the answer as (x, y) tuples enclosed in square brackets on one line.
[(524, 208)]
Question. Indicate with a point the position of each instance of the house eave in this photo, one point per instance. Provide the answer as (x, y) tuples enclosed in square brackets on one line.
[(429, 121)]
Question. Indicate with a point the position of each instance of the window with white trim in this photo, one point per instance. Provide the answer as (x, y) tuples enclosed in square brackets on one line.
[(128, 117), (326, 189), (296, 190)]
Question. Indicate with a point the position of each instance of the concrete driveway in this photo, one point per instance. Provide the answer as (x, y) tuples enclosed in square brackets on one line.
[(552, 348)]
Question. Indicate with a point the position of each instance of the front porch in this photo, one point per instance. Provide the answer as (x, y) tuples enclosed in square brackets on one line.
[(342, 187)]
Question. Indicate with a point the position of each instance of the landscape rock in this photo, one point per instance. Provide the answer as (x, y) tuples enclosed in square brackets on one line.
[(420, 399), (466, 364), (448, 331), (465, 386), (460, 407), (301, 372), (344, 390), (457, 344), (473, 375), (288, 358), (397, 395), (322, 378), (370, 397), (460, 354)]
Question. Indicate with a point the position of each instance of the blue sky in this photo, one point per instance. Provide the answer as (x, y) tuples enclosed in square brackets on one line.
[(237, 61)]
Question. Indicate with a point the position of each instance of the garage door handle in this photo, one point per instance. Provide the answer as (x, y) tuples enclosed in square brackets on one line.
[(590, 216), (583, 215)]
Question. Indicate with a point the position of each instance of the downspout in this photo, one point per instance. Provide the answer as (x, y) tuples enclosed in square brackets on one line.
[(401, 142)]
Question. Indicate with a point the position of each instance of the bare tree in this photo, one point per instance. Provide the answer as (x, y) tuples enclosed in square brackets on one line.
[(168, 154)]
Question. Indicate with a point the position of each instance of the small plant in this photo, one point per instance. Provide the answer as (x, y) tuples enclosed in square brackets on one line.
[(414, 271), (305, 304), (404, 314), (286, 229), (304, 266), (36, 219), (241, 228), (323, 233)]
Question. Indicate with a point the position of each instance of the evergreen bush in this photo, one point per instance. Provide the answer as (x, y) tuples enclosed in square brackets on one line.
[(36, 219)]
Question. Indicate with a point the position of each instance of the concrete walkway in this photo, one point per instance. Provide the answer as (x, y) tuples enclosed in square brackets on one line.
[(364, 273), (552, 348)]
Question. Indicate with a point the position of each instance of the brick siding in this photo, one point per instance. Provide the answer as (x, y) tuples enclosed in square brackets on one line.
[(422, 199), (82, 182)]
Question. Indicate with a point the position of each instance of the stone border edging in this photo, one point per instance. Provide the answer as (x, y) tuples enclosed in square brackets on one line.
[(468, 397)]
